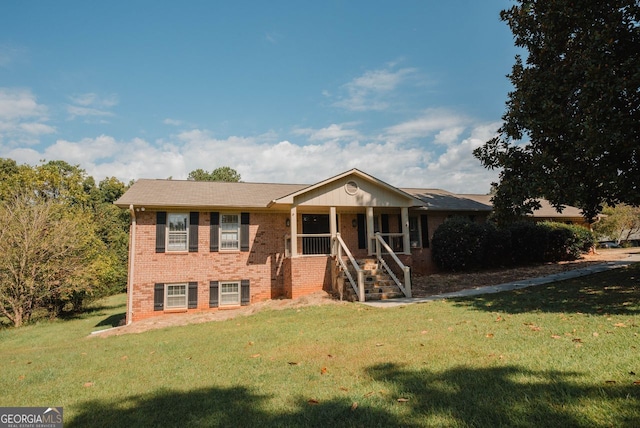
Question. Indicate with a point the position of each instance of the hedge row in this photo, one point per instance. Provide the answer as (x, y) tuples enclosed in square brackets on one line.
[(459, 244)]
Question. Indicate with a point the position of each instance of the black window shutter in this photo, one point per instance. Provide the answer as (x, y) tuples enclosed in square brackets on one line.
[(158, 297), (161, 230), (362, 232), (213, 294), (245, 294), (194, 219), (424, 226), (193, 295), (214, 234), (244, 231)]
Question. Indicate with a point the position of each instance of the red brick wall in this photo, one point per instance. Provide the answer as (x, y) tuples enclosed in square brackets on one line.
[(271, 275), (309, 274), (262, 265)]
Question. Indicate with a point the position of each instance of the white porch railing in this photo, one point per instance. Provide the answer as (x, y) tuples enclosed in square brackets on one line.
[(404, 286), (338, 249)]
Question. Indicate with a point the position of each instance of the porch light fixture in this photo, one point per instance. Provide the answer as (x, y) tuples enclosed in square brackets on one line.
[(354, 223), (287, 222)]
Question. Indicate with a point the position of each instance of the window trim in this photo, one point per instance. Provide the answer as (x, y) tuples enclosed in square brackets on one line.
[(187, 216), (185, 303), (221, 231), (238, 293)]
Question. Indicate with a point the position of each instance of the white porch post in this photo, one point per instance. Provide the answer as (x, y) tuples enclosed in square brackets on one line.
[(294, 231), (333, 227), (370, 230), (406, 241)]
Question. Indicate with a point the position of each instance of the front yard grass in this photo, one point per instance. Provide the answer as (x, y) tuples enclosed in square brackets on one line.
[(565, 354)]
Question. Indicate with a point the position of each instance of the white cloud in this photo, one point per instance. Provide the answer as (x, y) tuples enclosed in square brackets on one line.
[(91, 104), (371, 90), (172, 122), (446, 124), (22, 117), (332, 132), (75, 111)]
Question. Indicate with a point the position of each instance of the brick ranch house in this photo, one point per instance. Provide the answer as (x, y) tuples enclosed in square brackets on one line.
[(205, 246)]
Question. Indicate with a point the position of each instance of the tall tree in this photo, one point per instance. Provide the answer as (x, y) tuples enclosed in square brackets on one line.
[(224, 173), (571, 131), (619, 223), (50, 257)]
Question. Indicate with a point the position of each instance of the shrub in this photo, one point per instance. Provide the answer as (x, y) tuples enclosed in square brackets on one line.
[(457, 245), (496, 249), (528, 242)]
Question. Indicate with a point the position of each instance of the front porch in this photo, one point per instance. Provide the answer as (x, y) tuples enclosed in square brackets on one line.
[(347, 254), (337, 222)]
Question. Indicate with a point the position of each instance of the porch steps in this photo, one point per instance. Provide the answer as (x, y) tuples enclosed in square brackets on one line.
[(378, 285)]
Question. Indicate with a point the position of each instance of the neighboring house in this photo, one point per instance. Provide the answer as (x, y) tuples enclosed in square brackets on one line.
[(546, 212), (202, 246)]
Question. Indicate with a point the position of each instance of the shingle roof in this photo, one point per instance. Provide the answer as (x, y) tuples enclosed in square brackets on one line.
[(546, 210), (202, 194), (441, 200)]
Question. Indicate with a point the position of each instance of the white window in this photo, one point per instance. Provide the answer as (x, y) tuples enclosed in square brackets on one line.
[(176, 296), (414, 232), (178, 231), (229, 293), (230, 232)]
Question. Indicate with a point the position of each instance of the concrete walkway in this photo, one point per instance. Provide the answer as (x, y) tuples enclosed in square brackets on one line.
[(531, 282)]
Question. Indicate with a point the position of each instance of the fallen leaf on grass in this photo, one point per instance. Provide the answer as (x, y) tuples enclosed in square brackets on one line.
[(636, 382), (342, 388), (323, 370), (88, 384), (577, 340), (354, 406), (369, 394), (489, 335), (379, 344), (610, 381), (424, 332), (534, 328), (402, 400), (21, 377), (620, 324), (595, 334), (555, 336), (255, 355), (124, 357), (313, 401), (292, 363)]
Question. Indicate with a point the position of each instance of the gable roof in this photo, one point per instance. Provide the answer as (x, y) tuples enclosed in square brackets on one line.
[(347, 175), (203, 194)]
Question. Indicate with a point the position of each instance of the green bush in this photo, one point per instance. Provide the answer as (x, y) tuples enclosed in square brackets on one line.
[(528, 242), (496, 249), (457, 245)]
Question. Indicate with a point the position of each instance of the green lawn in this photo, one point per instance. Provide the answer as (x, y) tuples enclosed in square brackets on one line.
[(567, 354)]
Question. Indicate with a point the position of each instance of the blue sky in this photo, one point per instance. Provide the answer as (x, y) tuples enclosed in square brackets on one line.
[(281, 91)]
